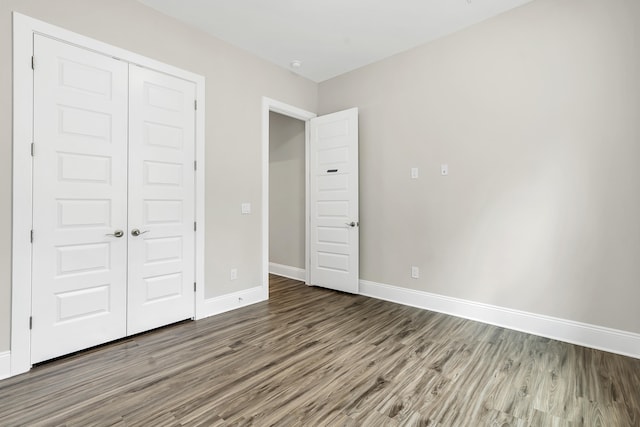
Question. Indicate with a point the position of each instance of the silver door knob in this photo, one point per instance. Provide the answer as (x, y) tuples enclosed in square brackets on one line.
[(117, 233), (352, 224), (136, 232)]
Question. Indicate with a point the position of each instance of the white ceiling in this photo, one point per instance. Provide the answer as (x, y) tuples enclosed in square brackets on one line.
[(330, 37)]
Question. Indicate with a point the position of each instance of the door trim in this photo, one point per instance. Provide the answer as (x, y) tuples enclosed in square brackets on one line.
[(269, 105), (24, 28)]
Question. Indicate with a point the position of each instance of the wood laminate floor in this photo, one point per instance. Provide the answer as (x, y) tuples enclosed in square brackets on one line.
[(314, 357)]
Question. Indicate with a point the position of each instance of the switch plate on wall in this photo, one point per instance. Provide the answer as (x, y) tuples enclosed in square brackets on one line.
[(414, 173), (444, 169), (415, 272), (246, 208)]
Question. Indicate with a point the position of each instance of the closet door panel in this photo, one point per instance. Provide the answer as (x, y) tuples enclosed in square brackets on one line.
[(79, 199), (161, 199)]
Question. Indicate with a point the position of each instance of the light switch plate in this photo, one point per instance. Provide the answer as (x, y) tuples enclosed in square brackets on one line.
[(444, 169), (415, 173), (246, 208)]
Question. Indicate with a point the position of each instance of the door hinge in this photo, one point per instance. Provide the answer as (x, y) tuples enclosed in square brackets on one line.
[(195, 226), (31, 236), (30, 322), (33, 62), (195, 165), (195, 104), (33, 149), (194, 286)]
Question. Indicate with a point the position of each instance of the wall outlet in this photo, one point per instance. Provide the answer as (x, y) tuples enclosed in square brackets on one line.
[(234, 273), (415, 272), (245, 208), (444, 169)]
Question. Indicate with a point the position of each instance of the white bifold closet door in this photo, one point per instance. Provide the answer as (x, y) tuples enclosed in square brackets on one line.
[(113, 199)]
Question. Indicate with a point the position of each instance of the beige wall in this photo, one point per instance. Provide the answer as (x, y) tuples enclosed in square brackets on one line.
[(286, 190), (235, 83), (537, 113)]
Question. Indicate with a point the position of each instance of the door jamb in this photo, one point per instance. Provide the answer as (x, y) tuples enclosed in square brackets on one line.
[(24, 28), (269, 105)]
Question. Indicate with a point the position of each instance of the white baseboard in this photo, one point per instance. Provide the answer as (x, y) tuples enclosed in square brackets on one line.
[(5, 364), (598, 337), (287, 271), (224, 303)]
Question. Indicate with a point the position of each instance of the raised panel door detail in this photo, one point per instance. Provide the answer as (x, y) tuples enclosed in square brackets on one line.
[(83, 258), (333, 235), (84, 213), (333, 157), (83, 303), (86, 78), (84, 168), (164, 249), (162, 173), (164, 97), (163, 135), (94, 125), (162, 212), (333, 261), (164, 287), (333, 209), (333, 129), (327, 183)]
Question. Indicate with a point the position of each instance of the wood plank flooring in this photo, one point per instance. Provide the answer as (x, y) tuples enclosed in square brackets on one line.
[(314, 357)]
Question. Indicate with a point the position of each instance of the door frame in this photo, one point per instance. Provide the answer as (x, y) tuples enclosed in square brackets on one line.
[(24, 28), (271, 105)]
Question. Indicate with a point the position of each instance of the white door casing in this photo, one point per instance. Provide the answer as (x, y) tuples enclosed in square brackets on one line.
[(161, 199), (333, 203), (80, 135)]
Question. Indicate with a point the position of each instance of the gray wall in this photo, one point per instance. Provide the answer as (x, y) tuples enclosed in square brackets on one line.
[(235, 82), (537, 113), (286, 190)]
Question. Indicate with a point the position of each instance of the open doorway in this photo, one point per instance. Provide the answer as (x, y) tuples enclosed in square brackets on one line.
[(287, 121), (331, 197), (287, 196)]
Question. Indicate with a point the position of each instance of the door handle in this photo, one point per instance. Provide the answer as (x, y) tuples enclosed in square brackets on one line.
[(352, 224), (117, 233), (135, 232)]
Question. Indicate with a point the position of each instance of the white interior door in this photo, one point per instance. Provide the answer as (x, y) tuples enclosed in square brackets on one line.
[(113, 199), (161, 199), (79, 177), (334, 216)]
